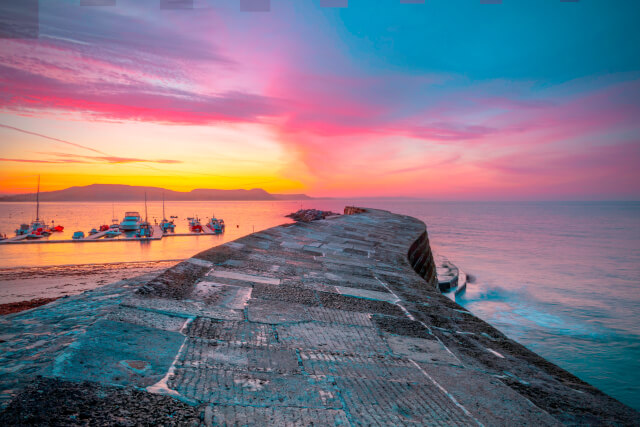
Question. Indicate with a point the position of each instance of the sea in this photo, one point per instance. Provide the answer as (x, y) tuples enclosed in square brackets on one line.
[(562, 278)]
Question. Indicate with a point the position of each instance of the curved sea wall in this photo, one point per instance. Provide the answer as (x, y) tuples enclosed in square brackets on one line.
[(421, 259), (331, 322), (419, 254)]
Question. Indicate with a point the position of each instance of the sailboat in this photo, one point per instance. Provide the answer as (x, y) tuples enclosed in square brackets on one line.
[(38, 228), (166, 225)]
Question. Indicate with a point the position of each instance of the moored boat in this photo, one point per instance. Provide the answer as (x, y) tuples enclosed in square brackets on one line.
[(37, 228), (194, 225), (53, 228), (145, 230), (166, 225), (78, 235), (216, 225), (24, 229), (115, 224), (112, 233), (131, 222)]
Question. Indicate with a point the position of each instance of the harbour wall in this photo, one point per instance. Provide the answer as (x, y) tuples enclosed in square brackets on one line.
[(332, 322)]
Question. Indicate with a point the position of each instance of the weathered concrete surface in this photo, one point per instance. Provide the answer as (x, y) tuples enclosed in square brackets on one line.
[(311, 323)]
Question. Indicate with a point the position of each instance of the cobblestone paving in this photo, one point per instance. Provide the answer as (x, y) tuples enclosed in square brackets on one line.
[(322, 323)]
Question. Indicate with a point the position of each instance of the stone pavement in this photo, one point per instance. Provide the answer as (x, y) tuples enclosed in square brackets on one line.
[(322, 323)]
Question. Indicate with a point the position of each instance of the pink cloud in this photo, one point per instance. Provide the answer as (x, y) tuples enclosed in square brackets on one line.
[(345, 126)]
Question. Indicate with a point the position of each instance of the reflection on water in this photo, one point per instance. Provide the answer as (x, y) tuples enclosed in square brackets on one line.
[(561, 278)]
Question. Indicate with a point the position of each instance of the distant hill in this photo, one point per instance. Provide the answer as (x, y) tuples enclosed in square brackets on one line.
[(117, 192)]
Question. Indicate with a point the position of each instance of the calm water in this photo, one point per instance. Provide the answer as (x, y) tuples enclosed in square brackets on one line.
[(561, 278)]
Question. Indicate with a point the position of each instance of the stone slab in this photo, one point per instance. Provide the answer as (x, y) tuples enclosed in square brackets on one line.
[(253, 388), (420, 349), (244, 277), (332, 338), (119, 353)]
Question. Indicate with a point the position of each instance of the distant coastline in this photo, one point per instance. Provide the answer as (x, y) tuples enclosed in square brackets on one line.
[(119, 193)]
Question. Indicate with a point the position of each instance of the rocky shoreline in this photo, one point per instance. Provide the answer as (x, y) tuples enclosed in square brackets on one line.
[(308, 215)]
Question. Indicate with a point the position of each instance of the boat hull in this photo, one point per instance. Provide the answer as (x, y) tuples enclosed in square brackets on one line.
[(129, 227)]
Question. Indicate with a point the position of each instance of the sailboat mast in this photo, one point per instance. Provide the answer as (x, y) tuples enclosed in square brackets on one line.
[(145, 206), (163, 215), (38, 201)]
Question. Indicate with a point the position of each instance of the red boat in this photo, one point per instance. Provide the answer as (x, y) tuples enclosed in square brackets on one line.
[(55, 228), (194, 225), (104, 227)]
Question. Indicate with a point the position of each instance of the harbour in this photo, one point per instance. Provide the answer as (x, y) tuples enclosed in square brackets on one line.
[(99, 237)]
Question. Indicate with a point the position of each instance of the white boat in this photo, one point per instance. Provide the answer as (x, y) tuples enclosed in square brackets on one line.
[(131, 222), (78, 235)]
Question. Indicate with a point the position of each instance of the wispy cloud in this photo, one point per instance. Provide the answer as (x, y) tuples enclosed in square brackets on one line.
[(73, 144), (76, 158)]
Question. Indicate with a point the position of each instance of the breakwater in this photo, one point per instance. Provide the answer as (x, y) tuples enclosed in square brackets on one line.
[(324, 322)]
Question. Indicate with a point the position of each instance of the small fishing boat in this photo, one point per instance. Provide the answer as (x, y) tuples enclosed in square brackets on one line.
[(216, 225), (131, 222), (145, 230), (24, 229), (166, 225), (93, 231), (194, 225), (78, 235)]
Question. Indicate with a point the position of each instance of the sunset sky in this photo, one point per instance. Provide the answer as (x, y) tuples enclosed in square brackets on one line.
[(456, 100)]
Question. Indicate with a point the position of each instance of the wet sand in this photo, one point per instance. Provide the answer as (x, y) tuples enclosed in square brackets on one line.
[(23, 288)]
